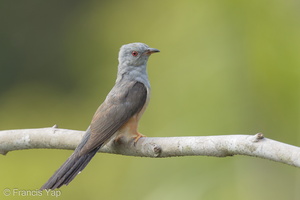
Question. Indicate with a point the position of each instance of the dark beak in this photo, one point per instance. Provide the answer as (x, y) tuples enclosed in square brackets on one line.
[(151, 51)]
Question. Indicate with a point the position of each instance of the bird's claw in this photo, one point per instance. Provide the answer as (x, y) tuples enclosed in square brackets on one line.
[(137, 138)]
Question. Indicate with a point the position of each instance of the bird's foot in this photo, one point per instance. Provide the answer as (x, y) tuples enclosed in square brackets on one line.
[(136, 138)]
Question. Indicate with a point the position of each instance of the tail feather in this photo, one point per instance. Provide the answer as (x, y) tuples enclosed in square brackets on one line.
[(69, 170)]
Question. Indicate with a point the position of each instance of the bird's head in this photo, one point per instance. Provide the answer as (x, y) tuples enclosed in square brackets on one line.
[(135, 54)]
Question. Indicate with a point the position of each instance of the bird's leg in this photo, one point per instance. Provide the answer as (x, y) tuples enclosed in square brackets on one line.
[(137, 137), (121, 138)]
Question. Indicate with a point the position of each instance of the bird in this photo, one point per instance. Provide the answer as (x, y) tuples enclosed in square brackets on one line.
[(117, 117)]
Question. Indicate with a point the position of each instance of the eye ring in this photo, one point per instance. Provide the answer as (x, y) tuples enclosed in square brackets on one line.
[(134, 53)]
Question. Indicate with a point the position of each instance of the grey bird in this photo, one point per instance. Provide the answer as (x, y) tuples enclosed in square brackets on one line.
[(117, 117)]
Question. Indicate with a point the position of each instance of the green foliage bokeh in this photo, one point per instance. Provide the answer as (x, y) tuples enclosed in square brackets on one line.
[(225, 67)]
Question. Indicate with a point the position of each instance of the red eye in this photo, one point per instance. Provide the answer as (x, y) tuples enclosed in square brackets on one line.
[(134, 53)]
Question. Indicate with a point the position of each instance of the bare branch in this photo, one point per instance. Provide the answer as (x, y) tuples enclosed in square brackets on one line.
[(217, 146)]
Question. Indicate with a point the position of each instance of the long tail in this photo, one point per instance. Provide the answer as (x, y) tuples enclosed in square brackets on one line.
[(67, 172), (73, 166)]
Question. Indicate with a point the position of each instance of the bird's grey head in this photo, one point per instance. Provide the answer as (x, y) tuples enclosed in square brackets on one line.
[(135, 54)]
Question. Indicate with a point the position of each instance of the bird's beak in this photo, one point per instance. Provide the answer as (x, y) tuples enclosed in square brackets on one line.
[(150, 51)]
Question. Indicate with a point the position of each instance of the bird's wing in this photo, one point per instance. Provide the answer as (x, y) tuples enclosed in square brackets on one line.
[(113, 113)]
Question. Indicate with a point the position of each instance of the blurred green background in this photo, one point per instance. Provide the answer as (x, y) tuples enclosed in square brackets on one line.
[(225, 67)]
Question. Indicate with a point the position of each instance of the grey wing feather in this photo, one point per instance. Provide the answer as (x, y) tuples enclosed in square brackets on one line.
[(113, 113)]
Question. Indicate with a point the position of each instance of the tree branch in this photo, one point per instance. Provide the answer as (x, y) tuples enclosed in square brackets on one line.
[(217, 146)]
